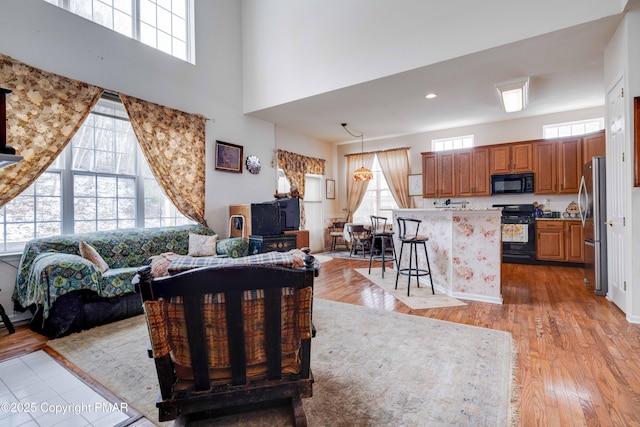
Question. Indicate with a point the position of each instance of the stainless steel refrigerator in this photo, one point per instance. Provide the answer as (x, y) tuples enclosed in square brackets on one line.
[(593, 212)]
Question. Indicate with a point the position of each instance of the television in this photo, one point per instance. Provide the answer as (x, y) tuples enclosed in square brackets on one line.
[(289, 213)]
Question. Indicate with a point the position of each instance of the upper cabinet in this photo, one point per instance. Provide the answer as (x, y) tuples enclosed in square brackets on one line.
[(429, 174), (569, 165), (472, 172), (593, 145), (545, 167), (438, 174), (511, 158), (558, 165)]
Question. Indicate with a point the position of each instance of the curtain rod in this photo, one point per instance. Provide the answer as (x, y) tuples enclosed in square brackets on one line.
[(112, 95), (379, 151)]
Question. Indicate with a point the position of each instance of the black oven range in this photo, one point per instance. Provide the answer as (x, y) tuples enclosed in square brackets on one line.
[(518, 233)]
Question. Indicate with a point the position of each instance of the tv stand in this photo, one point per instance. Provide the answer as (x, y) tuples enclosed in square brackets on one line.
[(278, 243)]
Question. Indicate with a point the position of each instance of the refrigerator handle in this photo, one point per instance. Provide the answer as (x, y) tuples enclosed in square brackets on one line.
[(582, 192)]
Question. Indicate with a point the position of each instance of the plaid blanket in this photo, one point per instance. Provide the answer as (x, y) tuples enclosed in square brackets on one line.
[(292, 259)]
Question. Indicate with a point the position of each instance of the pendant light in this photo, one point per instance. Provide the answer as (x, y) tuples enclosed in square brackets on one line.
[(360, 174)]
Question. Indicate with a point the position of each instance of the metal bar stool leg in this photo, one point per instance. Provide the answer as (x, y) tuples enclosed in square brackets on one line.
[(398, 260), (426, 255)]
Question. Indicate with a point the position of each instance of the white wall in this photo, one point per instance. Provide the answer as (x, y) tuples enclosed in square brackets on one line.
[(286, 42), (634, 91), (622, 57), (295, 142), (55, 40)]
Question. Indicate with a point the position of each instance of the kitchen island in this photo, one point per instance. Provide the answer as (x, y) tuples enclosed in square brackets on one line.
[(465, 251)]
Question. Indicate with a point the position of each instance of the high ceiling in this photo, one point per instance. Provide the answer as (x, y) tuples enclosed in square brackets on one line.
[(566, 71)]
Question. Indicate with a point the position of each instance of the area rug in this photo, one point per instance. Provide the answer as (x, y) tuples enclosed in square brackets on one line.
[(419, 297), (371, 368)]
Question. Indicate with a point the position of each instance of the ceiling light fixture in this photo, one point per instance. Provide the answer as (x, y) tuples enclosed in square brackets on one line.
[(431, 95), (360, 174), (513, 95)]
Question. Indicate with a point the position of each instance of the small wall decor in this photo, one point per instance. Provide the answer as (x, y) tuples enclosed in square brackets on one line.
[(636, 141), (253, 164), (415, 185), (331, 189), (228, 157)]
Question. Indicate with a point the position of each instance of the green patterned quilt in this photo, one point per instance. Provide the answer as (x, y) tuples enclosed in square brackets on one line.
[(52, 266)]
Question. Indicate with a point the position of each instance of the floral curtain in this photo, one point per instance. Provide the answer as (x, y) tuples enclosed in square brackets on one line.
[(44, 111), (395, 167), (356, 189), (173, 143), (295, 166)]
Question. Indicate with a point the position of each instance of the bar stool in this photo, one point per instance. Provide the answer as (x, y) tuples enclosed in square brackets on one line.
[(379, 232), (413, 239)]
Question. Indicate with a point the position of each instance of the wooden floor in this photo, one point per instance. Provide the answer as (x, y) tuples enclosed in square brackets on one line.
[(578, 358)]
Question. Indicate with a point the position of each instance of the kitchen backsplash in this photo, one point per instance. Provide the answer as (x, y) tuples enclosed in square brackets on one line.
[(553, 202)]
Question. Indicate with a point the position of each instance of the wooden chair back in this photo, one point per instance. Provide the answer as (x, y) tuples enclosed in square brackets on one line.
[(235, 328)]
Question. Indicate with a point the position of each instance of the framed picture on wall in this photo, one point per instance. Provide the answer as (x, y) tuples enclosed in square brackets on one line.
[(228, 157), (331, 189), (415, 185)]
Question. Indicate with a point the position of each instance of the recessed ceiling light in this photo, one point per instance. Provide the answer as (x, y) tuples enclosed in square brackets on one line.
[(431, 95)]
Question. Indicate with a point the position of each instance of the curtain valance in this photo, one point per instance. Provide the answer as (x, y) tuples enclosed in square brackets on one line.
[(379, 151)]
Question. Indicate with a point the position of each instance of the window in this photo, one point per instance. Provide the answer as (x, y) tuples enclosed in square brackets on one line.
[(455, 143), (162, 24), (378, 199), (101, 181), (581, 127)]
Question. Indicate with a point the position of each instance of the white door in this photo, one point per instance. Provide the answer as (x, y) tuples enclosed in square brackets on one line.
[(313, 211), (616, 204)]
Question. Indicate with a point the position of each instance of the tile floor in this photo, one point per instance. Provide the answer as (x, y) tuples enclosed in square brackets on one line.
[(35, 390)]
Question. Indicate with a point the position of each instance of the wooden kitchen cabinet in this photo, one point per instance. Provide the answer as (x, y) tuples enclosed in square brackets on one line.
[(511, 158), (558, 166), (559, 240), (593, 145), (429, 174), (569, 165), (472, 172), (550, 241), (446, 178), (438, 175), (545, 167), (574, 241)]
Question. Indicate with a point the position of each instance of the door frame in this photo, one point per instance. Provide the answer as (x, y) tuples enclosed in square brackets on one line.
[(618, 241)]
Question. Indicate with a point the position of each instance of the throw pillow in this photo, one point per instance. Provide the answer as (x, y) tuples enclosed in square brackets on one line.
[(89, 252), (200, 245)]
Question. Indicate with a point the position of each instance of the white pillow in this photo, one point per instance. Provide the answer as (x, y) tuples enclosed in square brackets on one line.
[(200, 245), (89, 252)]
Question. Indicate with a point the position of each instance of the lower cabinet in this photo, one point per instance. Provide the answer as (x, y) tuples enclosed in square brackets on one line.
[(559, 240)]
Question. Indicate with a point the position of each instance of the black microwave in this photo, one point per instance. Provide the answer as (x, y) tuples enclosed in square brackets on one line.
[(512, 183)]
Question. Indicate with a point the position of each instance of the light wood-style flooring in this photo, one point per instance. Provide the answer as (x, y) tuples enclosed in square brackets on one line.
[(578, 360)]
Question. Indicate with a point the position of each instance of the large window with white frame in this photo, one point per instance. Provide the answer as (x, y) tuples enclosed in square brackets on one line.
[(455, 143), (579, 127), (163, 24), (378, 199), (101, 181)]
